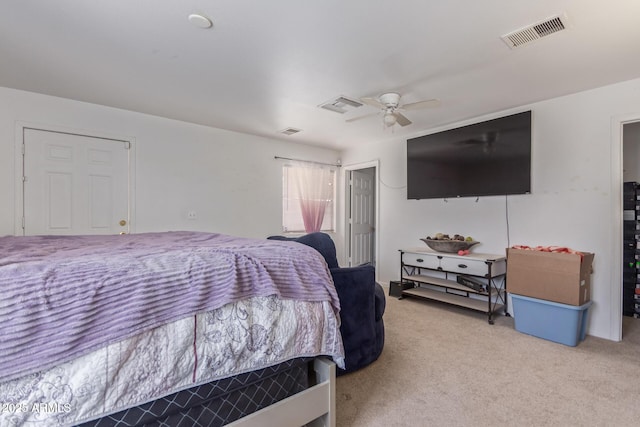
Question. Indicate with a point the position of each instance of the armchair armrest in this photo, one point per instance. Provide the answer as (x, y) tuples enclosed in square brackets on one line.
[(355, 286), (362, 304)]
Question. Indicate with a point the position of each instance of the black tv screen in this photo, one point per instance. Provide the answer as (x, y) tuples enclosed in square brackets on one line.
[(483, 159)]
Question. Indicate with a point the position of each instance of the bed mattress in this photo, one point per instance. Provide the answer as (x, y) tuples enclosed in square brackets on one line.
[(63, 296), (217, 403)]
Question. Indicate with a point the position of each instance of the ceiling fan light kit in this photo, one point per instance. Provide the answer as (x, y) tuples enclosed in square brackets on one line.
[(389, 119)]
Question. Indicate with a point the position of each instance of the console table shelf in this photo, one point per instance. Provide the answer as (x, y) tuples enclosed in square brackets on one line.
[(434, 276)]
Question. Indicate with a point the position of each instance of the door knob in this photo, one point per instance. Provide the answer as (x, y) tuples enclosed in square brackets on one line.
[(123, 222)]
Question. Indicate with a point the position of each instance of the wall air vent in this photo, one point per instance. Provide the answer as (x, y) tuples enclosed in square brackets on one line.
[(535, 31), (290, 131), (341, 105)]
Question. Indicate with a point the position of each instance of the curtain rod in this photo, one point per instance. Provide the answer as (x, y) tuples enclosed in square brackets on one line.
[(309, 161)]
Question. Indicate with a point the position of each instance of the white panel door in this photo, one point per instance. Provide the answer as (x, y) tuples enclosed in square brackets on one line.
[(362, 218), (75, 184)]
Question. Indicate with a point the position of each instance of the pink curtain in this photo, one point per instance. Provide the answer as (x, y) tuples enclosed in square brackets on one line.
[(312, 214), (315, 189)]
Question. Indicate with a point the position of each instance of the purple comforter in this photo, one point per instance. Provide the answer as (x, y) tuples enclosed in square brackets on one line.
[(63, 296)]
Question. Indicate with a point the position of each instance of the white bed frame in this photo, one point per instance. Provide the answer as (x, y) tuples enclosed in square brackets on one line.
[(315, 406)]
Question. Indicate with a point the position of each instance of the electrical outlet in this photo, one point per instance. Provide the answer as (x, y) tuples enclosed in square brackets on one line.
[(191, 215)]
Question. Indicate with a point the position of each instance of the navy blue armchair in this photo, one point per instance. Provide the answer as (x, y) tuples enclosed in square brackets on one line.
[(362, 303)]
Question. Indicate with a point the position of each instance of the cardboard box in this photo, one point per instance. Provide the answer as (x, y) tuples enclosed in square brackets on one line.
[(559, 277), (562, 323)]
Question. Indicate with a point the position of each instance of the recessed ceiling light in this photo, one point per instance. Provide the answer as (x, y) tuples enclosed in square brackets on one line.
[(200, 21)]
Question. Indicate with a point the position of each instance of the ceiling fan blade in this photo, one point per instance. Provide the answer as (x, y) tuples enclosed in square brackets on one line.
[(355, 119), (401, 120), (421, 104), (373, 102)]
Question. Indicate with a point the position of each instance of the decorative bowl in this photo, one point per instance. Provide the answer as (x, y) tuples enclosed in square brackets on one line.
[(449, 246)]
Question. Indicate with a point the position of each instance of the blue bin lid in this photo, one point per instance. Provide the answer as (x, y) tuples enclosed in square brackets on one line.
[(552, 303)]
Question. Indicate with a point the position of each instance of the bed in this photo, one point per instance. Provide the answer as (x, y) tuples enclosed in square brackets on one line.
[(171, 329)]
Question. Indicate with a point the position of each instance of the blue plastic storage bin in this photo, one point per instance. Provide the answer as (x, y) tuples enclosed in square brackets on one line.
[(561, 323)]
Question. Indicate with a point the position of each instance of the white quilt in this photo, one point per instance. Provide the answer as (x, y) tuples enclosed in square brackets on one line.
[(236, 338)]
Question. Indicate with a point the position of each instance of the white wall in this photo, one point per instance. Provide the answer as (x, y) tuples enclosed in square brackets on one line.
[(231, 180), (570, 204)]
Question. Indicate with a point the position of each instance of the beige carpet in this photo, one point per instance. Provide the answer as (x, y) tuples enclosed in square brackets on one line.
[(446, 366)]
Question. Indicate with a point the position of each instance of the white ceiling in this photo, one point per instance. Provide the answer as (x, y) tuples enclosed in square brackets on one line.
[(267, 65)]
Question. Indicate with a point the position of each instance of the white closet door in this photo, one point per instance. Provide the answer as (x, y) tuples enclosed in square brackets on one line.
[(362, 220), (75, 184)]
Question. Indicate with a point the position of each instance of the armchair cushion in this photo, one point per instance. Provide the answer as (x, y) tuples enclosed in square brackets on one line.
[(362, 303)]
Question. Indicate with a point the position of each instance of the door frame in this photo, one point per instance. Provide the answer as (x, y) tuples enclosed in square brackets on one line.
[(375, 164), (617, 188), (19, 166)]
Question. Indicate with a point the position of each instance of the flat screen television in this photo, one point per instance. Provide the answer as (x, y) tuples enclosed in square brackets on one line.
[(483, 159)]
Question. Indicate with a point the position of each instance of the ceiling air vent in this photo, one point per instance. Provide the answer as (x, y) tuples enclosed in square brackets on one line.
[(535, 31), (290, 131), (341, 105)]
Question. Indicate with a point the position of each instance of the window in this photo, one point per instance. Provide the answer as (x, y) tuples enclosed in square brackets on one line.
[(308, 195)]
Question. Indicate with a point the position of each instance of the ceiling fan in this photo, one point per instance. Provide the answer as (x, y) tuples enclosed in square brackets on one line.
[(391, 108)]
